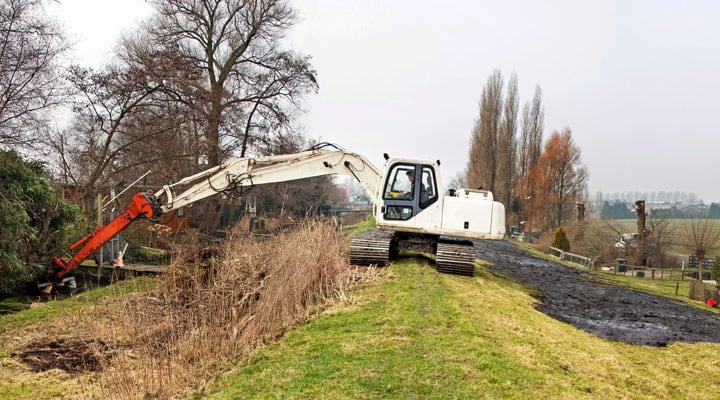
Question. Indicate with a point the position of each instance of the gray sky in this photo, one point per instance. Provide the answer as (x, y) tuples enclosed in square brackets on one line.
[(636, 81)]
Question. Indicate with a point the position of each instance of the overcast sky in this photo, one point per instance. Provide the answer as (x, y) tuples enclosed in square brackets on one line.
[(636, 81)]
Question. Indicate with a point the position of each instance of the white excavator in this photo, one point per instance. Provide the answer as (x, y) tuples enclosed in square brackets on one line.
[(409, 211)]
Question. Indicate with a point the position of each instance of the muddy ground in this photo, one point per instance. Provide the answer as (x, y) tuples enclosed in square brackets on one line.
[(610, 312)]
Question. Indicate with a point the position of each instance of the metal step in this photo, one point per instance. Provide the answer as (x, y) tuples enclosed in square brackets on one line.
[(455, 258)]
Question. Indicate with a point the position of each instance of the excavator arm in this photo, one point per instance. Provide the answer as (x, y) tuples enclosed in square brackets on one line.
[(234, 177), (142, 206)]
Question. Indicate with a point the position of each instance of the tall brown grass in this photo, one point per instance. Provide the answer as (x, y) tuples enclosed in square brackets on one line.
[(170, 340)]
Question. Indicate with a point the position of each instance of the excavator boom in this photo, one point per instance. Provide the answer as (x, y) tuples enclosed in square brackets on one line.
[(235, 175), (240, 174)]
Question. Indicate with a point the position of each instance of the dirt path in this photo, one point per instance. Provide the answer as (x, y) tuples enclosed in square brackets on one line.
[(607, 311)]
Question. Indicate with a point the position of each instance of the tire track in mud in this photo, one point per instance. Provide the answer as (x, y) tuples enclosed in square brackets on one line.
[(609, 312)]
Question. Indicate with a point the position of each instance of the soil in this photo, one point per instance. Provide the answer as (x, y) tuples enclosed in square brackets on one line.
[(72, 356), (611, 312)]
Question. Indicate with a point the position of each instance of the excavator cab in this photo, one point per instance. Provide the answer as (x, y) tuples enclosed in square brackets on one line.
[(409, 188)]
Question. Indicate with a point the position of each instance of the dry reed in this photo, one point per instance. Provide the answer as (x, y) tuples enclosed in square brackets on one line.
[(168, 341), (201, 316)]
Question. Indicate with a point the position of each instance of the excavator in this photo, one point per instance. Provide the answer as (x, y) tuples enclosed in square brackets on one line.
[(409, 211)]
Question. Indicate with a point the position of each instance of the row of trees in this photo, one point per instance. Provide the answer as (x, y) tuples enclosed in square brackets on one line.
[(622, 210), (199, 82), (541, 184)]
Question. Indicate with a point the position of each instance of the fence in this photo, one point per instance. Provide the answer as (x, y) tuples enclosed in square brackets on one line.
[(587, 262)]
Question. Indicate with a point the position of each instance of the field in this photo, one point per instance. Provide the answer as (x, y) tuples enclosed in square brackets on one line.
[(630, 226), (400, 332)]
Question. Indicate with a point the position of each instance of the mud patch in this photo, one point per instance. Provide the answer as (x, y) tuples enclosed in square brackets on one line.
[(610, 312), (72, 356)]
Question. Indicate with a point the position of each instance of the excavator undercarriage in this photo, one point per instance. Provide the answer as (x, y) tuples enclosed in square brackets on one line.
[(376, 247)]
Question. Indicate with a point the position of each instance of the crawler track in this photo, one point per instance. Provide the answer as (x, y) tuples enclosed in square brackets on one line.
[(456, 258), (371, 248), (380, 247)]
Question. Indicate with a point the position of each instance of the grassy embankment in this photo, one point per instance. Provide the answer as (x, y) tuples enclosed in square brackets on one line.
[(25, 314), (164, 341), (419, 334), (428, 335)]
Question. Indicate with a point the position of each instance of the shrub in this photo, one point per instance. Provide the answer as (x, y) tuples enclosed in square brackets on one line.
[(34, 221), (715, 271), (560, 240)]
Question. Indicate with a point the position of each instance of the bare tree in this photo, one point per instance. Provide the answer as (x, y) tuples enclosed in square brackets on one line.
[(701, 237), (661, 235), (528, 154), (30, 83), (229, 67), (482, 164), (117, 115)]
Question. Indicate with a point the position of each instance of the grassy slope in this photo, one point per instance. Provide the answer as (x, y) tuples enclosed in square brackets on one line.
[(427, 335), (45, 385), (43, 311)]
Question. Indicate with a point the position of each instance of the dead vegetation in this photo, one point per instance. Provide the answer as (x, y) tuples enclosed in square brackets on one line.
[(168, 341)]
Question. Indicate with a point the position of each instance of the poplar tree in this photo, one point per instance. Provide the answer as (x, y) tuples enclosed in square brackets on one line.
[(483, 162)]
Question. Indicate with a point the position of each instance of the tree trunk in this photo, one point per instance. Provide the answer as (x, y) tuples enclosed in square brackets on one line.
[(697, 290)]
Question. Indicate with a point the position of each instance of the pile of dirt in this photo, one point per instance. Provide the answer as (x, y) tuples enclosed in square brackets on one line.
[(72, 356), (610, 312)]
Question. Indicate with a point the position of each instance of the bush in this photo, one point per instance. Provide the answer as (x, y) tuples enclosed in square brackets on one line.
[(560, 240), (34, 220), (715, 271)]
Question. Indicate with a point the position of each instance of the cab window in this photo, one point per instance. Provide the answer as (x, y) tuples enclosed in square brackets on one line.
[(398, 212), (399, 185), (428, 187)]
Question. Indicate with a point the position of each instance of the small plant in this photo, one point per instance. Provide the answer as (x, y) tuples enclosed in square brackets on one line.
[(560, 240)]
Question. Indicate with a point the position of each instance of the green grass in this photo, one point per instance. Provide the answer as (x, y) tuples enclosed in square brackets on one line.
[(423, 335), (42, 311), (664, 287), (364, 225)]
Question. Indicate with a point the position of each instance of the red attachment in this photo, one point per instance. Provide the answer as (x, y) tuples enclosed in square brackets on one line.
[(139, 208), (711, 303)]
